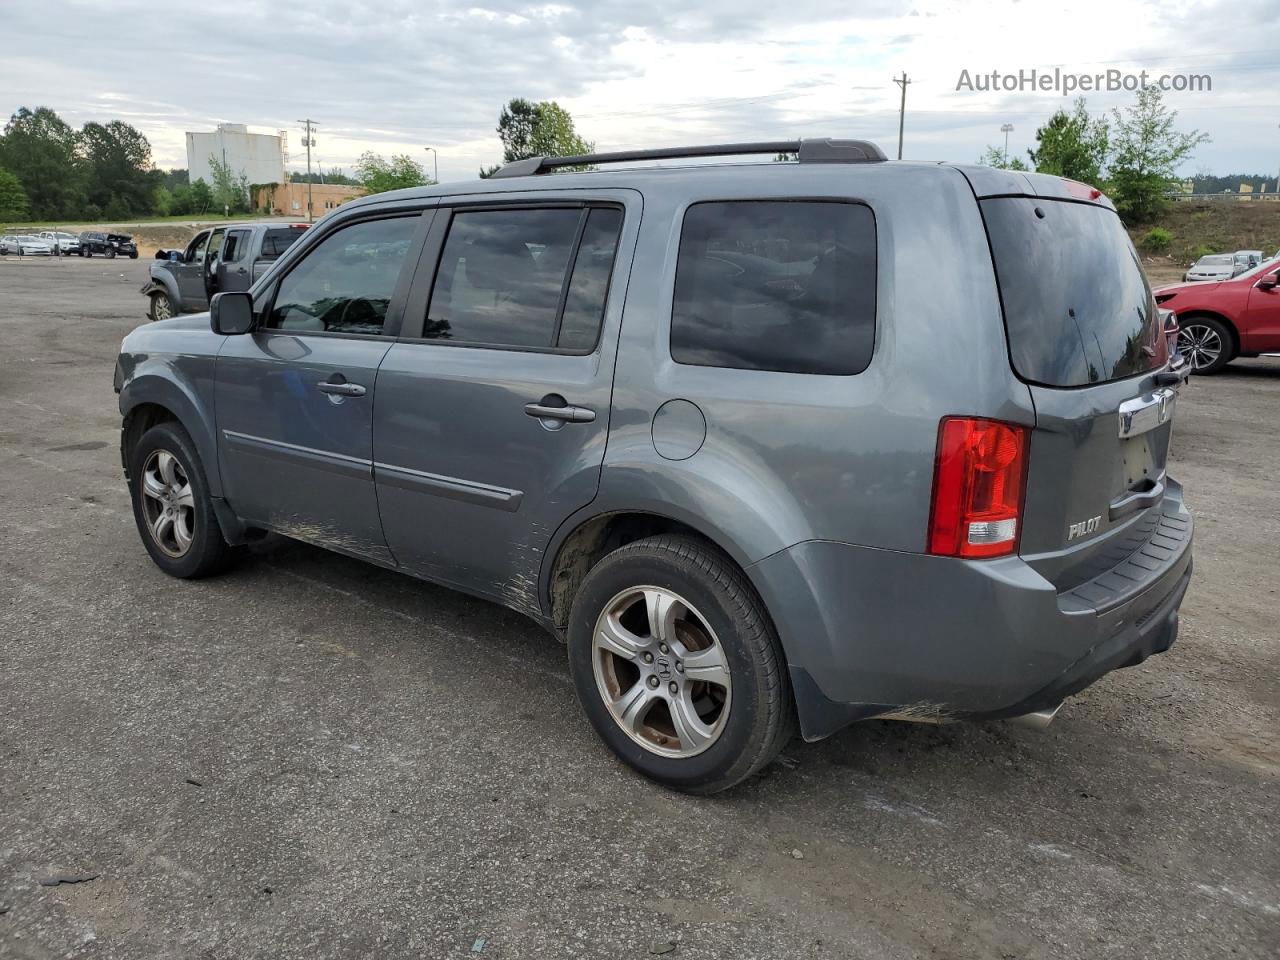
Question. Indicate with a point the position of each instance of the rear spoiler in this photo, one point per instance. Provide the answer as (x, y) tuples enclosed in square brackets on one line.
[(990, 182)]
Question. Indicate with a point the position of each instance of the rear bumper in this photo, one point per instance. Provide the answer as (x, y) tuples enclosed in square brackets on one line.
[(873, 633)]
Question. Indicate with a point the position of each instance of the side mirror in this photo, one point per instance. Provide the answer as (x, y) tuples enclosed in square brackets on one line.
[(1268, 282), (231, 313)]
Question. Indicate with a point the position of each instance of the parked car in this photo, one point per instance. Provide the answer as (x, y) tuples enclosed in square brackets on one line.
[(1218, 266), (1247, 260), (108, 244), (63, 244), (747, 499), (1220, 321), (222, 259), (24, 245)]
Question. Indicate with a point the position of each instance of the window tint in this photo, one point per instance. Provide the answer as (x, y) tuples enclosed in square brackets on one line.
[(278, 241), (236, 246), (1077, 307), (344, 284), (776, 285), (502, 277)]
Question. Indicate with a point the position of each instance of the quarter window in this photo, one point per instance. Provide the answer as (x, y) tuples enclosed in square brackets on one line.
[(534, 278), (776, 285), (345, 283)]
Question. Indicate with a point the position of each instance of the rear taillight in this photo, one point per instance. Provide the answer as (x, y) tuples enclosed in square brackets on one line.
[(978, 483)]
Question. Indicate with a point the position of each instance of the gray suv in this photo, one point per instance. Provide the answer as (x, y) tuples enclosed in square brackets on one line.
[(769, 445)]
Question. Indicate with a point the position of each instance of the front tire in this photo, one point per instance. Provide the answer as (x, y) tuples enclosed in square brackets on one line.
[(1207, 344), (111, 253), (677, 665), (161, 307), (171, 505)]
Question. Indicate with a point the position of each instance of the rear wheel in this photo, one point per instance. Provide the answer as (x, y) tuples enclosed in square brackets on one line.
[(111, 253), (171, 505), (1206, 342), (677, 665)]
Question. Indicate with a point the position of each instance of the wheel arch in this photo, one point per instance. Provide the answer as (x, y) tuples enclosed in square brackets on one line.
[(150, 399), (583, 541)]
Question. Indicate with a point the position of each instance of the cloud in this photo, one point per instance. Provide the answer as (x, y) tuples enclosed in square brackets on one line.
[(394, 76)]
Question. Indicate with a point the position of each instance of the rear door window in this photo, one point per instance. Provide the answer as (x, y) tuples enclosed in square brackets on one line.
[(1077, 306), (277, 241), (530, 278), (776, 285)]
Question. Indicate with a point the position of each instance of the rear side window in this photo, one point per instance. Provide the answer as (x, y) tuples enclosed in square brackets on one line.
[(776, 285), (1077, 306), (276, 242), (532, 278)]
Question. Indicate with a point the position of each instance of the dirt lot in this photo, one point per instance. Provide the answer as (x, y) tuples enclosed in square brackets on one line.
[(315, 758)]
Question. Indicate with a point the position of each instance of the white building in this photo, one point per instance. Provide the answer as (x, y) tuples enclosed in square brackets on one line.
[(258, 157)]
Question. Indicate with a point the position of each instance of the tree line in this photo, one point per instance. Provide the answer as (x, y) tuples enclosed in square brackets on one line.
[(1132, 155)]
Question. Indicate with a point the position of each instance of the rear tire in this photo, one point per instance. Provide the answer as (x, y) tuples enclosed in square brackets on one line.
[(1207, 343), (700, 702), (171, 505), (111, 253)]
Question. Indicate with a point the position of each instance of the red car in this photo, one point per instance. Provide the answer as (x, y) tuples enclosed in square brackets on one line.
[(1227, 319)]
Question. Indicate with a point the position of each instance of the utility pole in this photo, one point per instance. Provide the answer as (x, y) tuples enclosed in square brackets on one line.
[(1006, 129), (435, 164), (309, 141), (902, 109)]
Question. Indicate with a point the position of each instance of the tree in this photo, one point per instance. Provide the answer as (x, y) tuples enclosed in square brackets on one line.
[(1072, 145), (994, 157), (40, 150), (1148, 151), (201, 197), (542, 129), (117, 162), (13, 199), (230, 192), (377, 174)]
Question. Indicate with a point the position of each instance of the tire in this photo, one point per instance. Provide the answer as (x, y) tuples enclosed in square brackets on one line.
[(85, 252), (134, 255), (206, 552), (1207, 343), (743, 718), (161, 307), (111, 253)]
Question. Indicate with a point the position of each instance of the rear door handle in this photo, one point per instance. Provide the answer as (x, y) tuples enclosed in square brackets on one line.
[(340, 388), (568, 414)]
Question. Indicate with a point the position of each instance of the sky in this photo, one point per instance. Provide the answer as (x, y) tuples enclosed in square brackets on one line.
[(395, 76)]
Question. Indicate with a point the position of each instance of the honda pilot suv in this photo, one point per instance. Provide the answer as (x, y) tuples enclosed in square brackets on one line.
[(712, 426)]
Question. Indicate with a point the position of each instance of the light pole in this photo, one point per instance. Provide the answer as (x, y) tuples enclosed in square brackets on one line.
[(435, 164), (309, 141), (1006, 129), (902, 108)]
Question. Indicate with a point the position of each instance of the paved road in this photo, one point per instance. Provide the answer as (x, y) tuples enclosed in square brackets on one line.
[(311, 757)]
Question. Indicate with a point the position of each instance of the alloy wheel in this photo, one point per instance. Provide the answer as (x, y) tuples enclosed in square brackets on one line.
[(161, 309), (661, 672), (1201, 344), (168, 503)]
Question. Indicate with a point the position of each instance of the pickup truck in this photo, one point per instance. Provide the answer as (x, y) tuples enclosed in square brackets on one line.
[(219, 259)]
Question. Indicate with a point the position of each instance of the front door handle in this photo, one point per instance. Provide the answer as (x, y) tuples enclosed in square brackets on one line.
[(543, 410), (340, 388)]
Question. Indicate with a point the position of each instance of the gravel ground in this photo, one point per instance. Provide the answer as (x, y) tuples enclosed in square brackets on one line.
[(310, 757)]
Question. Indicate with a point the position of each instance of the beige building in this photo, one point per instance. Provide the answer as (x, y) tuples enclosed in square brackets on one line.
[(290, 199)]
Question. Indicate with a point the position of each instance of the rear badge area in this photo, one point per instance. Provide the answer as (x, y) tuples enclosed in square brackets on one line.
[(1085, 527)]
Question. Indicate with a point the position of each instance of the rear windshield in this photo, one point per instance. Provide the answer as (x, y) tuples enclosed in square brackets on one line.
[(278, 241), (1077, 306)]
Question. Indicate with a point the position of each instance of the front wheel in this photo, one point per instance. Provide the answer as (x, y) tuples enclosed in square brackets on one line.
[(161, 307), (111, 253), (677, 665), (134, 255), (1206, 343), (171, 505)]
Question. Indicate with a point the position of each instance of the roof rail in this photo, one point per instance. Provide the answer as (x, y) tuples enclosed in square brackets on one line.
[(808, 151)]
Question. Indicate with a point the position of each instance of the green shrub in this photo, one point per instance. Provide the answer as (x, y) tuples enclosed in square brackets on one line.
[(1157, 240), (1203, 250)]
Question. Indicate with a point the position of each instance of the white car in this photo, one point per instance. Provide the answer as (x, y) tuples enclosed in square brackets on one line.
[(1218, 266), (25, 246), (62, 243)]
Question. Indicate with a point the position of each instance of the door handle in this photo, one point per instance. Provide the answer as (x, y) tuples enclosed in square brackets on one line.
[(341, 388), (569, 414)]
